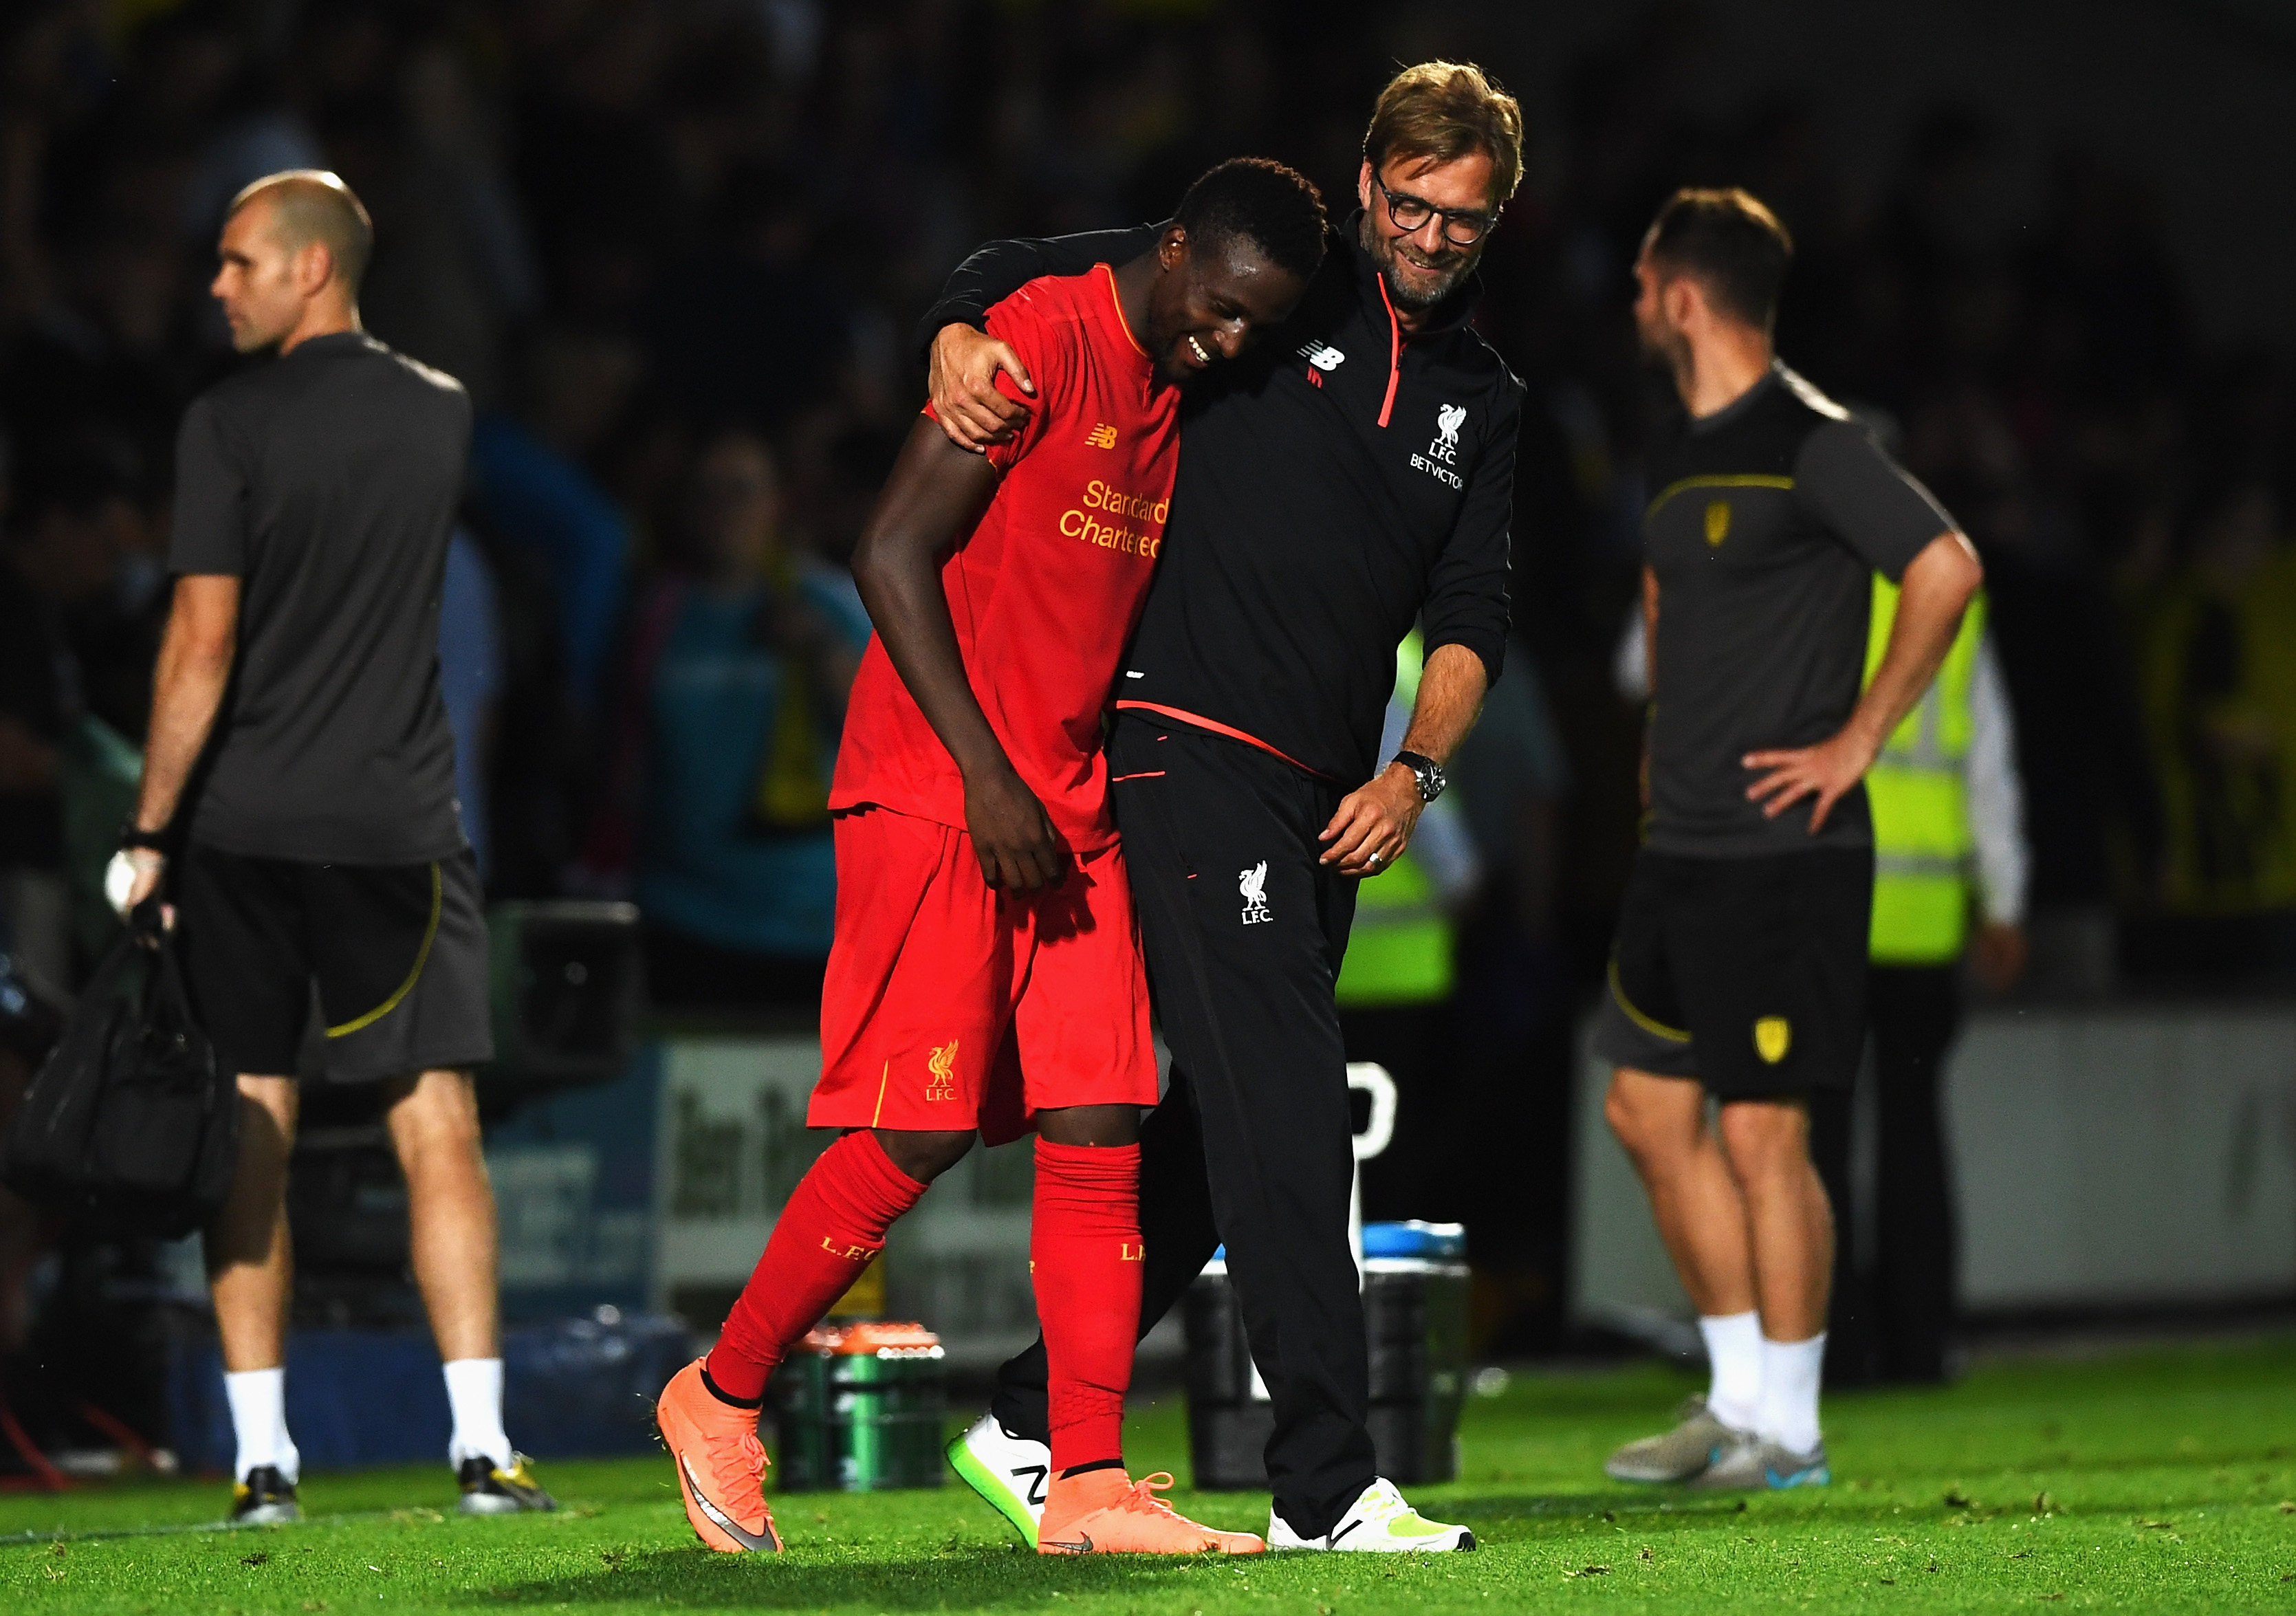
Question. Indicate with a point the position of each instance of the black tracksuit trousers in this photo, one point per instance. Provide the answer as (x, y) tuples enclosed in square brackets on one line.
[(1893, 1313), (1244, 933)]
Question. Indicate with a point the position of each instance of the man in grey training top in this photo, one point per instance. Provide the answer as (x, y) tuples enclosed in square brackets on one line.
[(1740, 966), (300, 778)]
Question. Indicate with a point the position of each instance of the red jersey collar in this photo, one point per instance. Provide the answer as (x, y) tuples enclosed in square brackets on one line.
[(1116, 306)]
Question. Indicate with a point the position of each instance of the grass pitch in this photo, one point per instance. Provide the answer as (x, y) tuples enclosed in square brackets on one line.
[(2155, 1480)]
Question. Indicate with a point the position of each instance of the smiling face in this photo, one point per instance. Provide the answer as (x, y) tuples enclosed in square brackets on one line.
[(1205, 306), (1424, 266)]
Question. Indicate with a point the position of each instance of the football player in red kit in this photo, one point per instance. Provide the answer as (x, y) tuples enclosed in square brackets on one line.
[(986, 975)]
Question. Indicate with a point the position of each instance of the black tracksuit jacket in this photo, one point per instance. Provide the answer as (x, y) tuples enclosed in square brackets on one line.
[(1341, 481)]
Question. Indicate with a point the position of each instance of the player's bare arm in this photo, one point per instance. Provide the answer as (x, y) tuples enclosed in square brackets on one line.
[(1938, 586), (936, 493), (187, 690), (1373, 824), (963, 377)]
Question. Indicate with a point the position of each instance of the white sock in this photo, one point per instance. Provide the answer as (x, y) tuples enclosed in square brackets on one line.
[(474, 1393), (1734, 1346), (1791, 1372), (258, 1420)]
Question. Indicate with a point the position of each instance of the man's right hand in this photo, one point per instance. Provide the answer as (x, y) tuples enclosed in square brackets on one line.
[(962, 380), (1019, 849)]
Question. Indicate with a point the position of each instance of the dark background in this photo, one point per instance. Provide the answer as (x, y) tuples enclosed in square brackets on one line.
[(2047, 243)]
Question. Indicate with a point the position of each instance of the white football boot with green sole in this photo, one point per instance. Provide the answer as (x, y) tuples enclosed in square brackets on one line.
[(1010, 1473), (1378, 1522)]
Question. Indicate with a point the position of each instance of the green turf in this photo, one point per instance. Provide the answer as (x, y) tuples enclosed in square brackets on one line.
[(2154, 1481)]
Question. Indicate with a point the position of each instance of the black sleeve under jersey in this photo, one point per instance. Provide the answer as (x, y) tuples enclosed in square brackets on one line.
[(208, 534), (1001, 268), (1467, 589), (1875, 507)]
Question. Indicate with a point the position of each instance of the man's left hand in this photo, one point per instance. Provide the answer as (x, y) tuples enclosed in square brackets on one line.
[(133, 877), (1827, 770), (1373, 825)]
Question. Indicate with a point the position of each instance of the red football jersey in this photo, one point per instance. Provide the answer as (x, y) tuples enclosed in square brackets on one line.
[(1046, 587)]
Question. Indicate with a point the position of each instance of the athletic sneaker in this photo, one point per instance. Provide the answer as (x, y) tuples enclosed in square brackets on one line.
[(265, 1498), (1677, 1455), (489, 1490), (1009, 1472), (1378, 1522), (721, 1465), (1751, 1465), (1104, 1512)]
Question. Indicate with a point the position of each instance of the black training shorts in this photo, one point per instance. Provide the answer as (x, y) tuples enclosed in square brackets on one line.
[(397, 954), (1746, 974)]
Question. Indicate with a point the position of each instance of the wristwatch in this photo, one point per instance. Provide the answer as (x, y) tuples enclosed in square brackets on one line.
[(1432, 778), (131, 836)]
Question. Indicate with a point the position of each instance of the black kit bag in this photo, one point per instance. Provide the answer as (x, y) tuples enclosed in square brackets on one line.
[(128, 1128)]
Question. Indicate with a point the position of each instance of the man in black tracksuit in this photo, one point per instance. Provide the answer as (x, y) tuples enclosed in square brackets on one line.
[(1351, 478)]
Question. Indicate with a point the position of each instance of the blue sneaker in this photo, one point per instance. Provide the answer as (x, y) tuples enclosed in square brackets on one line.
[(1752, 1464)]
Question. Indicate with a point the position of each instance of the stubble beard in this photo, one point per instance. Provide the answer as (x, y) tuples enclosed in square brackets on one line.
[(1386, 253)]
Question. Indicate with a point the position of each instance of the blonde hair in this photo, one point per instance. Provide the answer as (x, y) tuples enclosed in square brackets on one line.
[(1442, 111)]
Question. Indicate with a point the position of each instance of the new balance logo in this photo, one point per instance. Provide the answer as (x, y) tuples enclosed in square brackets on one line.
[(1252, 885), (1321, 355), (1102, 437), (1036, 1473)]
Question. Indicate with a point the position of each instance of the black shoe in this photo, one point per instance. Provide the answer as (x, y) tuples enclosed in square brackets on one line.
[(488, 1490), (266, 1498)]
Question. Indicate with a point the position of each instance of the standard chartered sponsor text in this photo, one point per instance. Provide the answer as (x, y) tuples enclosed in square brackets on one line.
[(1104, 500)]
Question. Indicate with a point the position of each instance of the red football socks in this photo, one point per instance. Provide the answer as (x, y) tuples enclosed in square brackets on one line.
[(833, 1226), (1085, 1257)]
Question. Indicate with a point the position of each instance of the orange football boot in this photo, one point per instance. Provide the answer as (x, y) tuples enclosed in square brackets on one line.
[(1103, 1512), (721, 1465)]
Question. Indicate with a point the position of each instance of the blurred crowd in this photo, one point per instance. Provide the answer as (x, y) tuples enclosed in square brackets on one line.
[(675, 249)]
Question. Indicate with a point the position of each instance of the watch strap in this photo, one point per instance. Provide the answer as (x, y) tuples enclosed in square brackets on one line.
[(1429, 774)]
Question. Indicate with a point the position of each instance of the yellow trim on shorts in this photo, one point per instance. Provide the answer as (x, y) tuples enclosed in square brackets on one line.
[(882, 1079), (1673, 1035), (1749, 482), (421, 957)]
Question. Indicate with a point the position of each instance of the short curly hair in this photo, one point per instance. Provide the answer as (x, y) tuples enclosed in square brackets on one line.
[(1276, 209)]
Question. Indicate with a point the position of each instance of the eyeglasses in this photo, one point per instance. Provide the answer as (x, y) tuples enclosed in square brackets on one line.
[(1462, 227)]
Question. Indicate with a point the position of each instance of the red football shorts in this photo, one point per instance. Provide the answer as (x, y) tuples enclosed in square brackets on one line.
[(949, 1005)]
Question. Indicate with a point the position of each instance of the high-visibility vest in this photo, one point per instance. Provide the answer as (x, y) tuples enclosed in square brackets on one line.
[(1399, 951), (1919, 792)]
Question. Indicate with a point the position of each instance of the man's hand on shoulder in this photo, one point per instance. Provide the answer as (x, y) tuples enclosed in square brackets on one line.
[(962, 380), (1826, 770), (1373, 824), (1020, 850)]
